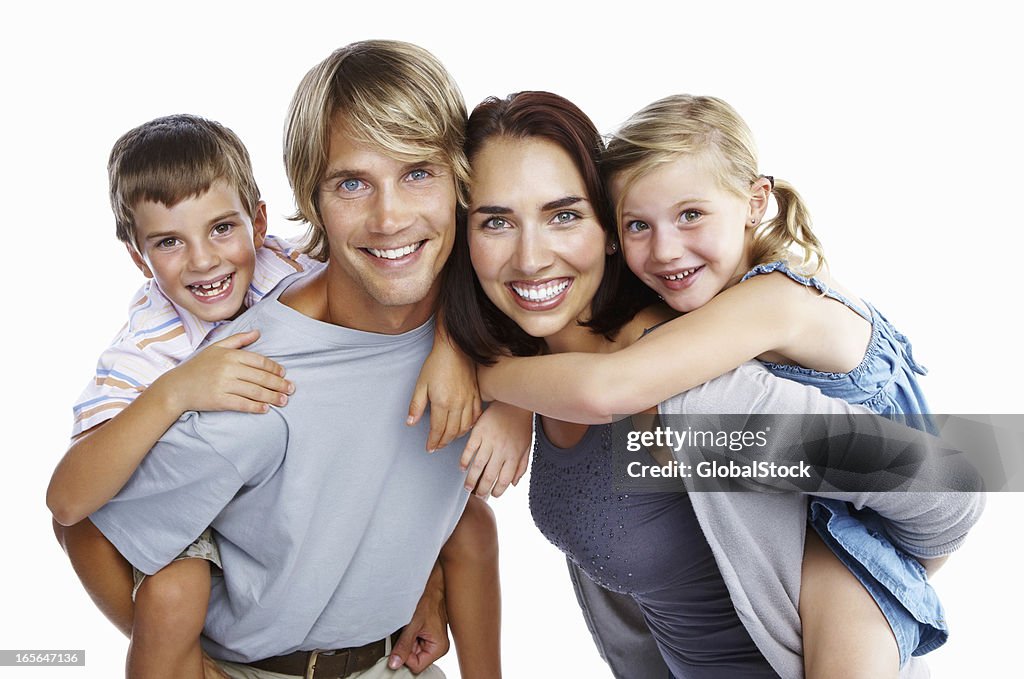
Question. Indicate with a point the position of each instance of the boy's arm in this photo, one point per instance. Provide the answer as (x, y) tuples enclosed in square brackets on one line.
[(101, 460), (447, 381)]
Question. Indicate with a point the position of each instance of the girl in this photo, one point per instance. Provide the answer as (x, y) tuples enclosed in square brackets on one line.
[(691, 207), (540, 240)]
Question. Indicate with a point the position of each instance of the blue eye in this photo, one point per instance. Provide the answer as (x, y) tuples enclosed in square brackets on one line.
[(565, 217), (636, 226), (495, 223), (351, 185), (417, 175)]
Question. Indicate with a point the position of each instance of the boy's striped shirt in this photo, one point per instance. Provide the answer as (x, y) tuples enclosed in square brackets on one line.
[(159, 335)]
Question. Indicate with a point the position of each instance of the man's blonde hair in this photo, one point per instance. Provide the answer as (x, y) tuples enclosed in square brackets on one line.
[(388, 94), (169, 159)]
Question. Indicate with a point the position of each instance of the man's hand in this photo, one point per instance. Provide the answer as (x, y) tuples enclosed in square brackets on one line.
[(425, 638)]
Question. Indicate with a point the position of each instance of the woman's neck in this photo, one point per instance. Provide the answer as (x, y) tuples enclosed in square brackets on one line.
[(578, 338)]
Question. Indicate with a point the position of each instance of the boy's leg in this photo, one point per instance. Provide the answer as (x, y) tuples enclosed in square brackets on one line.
[(170, 609), (473, 592), (845, 633), (105, 574)]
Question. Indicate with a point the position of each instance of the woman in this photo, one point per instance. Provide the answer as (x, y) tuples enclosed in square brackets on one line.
[(540, 238)]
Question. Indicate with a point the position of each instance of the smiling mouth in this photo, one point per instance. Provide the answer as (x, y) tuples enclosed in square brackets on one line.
[(395, 253), (533, 292), (680, 275), (212, 289)]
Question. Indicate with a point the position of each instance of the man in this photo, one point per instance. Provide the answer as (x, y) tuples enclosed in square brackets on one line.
[(328, 516)]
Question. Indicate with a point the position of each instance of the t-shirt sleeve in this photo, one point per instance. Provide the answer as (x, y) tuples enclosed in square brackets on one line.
[(184, 482), (879, 455)]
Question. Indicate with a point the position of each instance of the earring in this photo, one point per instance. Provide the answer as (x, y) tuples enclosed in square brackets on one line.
[(613, 247)]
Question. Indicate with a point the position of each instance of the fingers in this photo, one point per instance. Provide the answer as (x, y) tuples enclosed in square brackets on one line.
[(524, 462), (259, 362), (418, 404), (240, 404), (474, 464), (468, 418), (238, 340), (438, 424), (505, 476), (403, 648), (472, 446)]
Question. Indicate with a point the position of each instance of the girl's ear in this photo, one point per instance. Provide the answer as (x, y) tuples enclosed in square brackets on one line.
[(760, 192), (259, 225), (139, 261)]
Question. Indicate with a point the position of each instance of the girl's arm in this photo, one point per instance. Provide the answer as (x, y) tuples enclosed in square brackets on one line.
[(447, 381), (763, 314), (101, 460)]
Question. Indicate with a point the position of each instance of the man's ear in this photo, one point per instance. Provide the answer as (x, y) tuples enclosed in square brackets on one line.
[(139, 261), (259, 225)]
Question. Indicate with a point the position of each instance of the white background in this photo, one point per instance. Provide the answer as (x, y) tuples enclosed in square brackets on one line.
[(899, 122)]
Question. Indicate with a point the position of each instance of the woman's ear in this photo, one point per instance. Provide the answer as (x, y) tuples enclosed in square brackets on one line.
[(139, 261)]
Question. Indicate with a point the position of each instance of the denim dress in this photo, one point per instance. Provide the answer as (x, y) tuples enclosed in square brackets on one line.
[(886, 383)]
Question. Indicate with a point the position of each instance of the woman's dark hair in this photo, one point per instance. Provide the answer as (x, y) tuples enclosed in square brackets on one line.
[(480, 329)]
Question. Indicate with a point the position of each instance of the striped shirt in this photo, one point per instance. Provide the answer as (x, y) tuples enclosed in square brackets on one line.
[(159, 335)]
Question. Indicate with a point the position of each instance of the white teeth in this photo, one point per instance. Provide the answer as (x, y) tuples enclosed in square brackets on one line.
[(211, 289), (396, 253), (681, 275), (542, 293)]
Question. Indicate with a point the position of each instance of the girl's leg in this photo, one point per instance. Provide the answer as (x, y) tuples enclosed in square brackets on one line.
[(472, 591), (170, 609), (845, 634)]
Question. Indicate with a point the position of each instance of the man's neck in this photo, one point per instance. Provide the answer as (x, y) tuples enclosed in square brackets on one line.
[(315, 296)]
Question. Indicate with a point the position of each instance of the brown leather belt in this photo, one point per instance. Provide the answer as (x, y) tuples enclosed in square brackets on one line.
[(332, 664)]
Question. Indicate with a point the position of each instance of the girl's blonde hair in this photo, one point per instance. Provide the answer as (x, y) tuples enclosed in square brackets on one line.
[(707, 126)]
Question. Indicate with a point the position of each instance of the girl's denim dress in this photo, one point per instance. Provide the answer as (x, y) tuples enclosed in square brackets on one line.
[(886, 383)]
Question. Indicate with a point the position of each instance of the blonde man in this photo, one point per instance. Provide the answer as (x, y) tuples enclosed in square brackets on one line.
[(328, 515)]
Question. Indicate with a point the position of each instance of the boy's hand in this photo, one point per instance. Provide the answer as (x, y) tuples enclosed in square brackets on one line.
[(498, 448), (224, 377), (448, 381)]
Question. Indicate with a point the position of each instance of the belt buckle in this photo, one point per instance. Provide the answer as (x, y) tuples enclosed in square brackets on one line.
[(325, 673)]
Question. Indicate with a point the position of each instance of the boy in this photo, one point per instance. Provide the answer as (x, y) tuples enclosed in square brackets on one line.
[(188, 210)]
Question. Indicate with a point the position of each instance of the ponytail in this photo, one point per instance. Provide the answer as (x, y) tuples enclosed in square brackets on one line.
[(791, 226)]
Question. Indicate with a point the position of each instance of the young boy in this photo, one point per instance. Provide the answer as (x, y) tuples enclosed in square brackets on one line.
[(188, 210)]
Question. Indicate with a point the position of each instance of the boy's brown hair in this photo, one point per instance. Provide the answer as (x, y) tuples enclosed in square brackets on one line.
[(172, 158)]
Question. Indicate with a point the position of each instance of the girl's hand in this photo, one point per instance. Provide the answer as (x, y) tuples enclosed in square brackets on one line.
[(225, 377), (498, 451), (448, 381)]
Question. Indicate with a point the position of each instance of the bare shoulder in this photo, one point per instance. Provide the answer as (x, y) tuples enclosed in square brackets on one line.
[(831, 336)]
